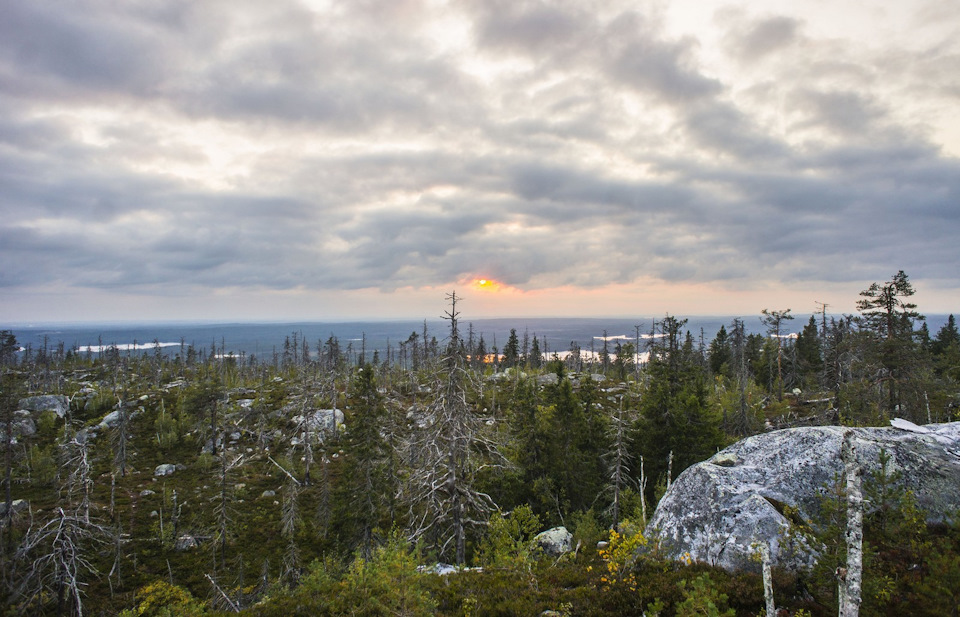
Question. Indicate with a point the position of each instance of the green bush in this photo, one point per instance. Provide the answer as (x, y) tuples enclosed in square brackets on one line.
[(509, 543), (701, 597)]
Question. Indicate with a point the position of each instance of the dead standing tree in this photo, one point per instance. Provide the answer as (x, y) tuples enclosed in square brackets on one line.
[(52, 559), (448, 452), (618, 460), (851, 578)]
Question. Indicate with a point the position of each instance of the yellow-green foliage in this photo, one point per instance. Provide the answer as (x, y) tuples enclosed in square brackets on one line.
[(386, 584), (509, 540), (43, 465), (161, 599), (621, 554)]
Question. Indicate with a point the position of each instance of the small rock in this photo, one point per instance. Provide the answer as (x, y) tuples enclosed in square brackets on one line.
[(185, 542), (438, 568), (267, 493), (725, 459), (16, 506), (147, 493)]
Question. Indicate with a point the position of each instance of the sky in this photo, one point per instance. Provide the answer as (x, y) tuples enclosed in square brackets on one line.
[(313, 159)]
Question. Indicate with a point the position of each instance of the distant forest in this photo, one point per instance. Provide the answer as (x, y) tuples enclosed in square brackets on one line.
[(317, 482)]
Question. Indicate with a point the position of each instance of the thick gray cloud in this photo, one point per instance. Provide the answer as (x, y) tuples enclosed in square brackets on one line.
[(290, 145)]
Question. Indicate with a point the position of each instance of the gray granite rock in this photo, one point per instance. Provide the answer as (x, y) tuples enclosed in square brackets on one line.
[(754, 490), (46, 402), (555, 542), (164, 470)]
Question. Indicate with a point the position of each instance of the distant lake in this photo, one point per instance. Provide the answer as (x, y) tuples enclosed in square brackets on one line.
[(262, 339)]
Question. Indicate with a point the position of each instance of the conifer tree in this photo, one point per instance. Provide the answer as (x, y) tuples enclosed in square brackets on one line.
[(719, 352), (774, 322), (887, 313), (366, 480), (675, 416), (945, 350), (808, 350), (536, 356), (511, 351)]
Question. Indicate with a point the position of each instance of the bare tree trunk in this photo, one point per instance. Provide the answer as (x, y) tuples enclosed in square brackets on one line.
[(120, 438), (851, 580), (618, 459), (643, 497), (8, 477), (670, 470), (767, 581)]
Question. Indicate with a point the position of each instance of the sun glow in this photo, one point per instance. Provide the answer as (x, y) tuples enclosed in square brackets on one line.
[(487, 285)]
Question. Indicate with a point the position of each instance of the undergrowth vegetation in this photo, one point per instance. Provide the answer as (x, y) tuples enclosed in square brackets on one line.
[(324, 483)]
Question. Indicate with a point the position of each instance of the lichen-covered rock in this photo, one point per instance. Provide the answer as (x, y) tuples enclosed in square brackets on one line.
[(57, 403), (164, 470), (186, 542), (753, 491), (110, 420), (320, 422), (555, 542), (547, 379)]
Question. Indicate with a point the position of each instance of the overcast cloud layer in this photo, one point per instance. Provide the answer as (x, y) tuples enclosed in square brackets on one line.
[(180, 148)]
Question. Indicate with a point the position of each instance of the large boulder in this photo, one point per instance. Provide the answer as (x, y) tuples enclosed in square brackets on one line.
[(22, 426), (755, 490), (110, 420), (555, 541), (46, 402)]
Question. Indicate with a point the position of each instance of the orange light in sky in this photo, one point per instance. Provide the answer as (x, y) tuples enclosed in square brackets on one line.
[(487, 285)]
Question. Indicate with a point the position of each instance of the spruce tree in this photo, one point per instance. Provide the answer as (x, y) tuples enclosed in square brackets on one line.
[(366, 481), (888, 314)]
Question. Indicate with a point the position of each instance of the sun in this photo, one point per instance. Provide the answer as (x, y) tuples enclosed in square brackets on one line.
[(486, 285)]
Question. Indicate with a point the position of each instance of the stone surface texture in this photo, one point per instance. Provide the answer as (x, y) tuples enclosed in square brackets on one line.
[(758, 489), (555, 541)]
